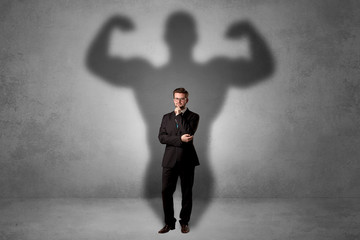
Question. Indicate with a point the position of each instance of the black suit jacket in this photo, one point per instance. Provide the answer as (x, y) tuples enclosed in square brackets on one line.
[(169, 134)]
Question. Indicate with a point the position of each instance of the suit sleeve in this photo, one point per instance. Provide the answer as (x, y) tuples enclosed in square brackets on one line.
[(188, 126), (167, 139)]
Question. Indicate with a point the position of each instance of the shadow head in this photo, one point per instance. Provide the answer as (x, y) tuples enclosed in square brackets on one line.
[(180, 31)]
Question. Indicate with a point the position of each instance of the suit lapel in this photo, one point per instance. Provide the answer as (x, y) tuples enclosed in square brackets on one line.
[(173, 124)]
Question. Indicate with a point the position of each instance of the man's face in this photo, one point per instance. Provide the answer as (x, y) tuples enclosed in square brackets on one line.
[(180, 100)]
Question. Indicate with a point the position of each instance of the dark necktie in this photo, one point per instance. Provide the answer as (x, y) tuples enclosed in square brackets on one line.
[(177, 124)]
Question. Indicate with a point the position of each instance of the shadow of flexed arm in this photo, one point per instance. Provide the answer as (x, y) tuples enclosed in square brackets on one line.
[(113, 69), (243, 72)]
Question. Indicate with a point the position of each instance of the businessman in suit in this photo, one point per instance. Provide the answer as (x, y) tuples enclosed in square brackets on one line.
[(177, 132)]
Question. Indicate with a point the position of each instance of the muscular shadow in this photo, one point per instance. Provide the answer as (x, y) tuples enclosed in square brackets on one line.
[(207, 84)]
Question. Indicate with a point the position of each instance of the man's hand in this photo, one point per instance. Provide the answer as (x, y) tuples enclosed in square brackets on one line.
[(177, 110), (186, 138)]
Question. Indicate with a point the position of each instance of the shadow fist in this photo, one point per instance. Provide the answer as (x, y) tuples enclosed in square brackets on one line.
[(121, 22), (239, 30)]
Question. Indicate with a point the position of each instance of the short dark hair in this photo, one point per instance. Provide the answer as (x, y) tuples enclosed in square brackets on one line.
[(181, 90)]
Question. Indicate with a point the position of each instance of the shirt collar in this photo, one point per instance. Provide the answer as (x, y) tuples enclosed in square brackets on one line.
[(184, 110)]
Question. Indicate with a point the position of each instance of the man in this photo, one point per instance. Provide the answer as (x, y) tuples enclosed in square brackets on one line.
[(177, 131)]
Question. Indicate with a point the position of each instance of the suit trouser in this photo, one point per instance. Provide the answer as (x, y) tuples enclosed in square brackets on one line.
[(169, 180)]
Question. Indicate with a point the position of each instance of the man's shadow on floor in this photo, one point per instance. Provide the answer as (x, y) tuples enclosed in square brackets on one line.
[(207, 85)]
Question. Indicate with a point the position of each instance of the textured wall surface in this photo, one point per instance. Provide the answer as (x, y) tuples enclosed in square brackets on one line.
[(65, 132)]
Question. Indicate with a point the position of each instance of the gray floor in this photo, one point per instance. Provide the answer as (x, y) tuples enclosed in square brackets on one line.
[(127, 219)]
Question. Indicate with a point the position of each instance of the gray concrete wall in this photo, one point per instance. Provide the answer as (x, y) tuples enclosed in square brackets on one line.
[(65, 132)]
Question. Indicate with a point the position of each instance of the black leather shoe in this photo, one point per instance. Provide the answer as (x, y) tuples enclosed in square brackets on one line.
[(185, 228), (166, 228)]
